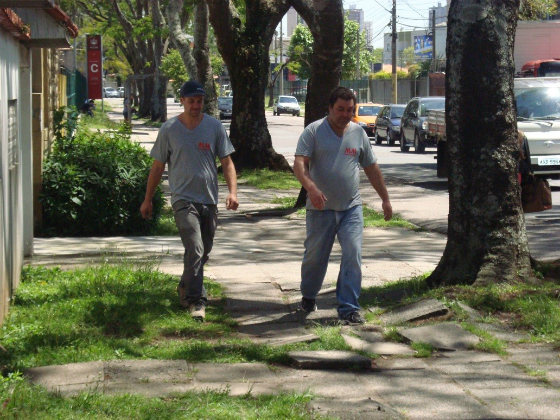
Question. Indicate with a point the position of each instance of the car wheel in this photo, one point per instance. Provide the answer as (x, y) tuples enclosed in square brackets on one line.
[(404, 147), (376, 137), (298, 114), (273, 112), (390, 137), (294, 114), (419, 147)]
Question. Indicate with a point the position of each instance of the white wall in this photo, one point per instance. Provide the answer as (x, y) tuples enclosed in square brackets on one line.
[(11, 219), (538, 40)]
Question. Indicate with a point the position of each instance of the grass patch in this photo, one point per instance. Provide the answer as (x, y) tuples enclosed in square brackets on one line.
[(285, 202), (488, 342), (396, 293), (166, 225), (21, 400), (391, 334), (373, 218), (422, 349), (100, 119), (264, 179)]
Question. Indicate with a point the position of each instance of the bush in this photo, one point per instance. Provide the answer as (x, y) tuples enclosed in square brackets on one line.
[(94, 184)]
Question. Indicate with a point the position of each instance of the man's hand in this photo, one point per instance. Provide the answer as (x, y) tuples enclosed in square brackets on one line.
[(146, 209), (317, 198), (231, 202), (387, 210)]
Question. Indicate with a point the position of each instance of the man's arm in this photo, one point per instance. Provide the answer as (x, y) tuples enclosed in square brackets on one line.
[(153, 181), (231, 180), (376, 180), (301, 170)]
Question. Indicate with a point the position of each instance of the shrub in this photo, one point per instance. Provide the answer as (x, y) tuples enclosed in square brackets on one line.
[(94, 184)]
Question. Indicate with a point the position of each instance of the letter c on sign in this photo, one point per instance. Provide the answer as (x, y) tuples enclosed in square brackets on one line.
[(94, 68)]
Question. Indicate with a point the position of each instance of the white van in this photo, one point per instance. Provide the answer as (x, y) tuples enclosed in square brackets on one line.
[(538, 116)]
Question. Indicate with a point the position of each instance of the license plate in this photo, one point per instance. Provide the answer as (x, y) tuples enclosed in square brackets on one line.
[(549, 160)]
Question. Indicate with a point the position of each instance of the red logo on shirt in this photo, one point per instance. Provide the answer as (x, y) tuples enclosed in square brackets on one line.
[(350, 152), (203, 146)]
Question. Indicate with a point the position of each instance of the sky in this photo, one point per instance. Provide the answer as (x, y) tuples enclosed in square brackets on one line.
[(410, 14)]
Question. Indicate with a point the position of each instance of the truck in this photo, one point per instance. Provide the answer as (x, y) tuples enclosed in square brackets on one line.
[(538, 116)]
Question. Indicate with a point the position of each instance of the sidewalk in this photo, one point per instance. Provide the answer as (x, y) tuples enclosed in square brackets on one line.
[(257, 258)]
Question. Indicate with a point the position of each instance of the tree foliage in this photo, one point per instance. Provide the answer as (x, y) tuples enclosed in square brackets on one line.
[(173, 67), (537, 9), (300, 51)]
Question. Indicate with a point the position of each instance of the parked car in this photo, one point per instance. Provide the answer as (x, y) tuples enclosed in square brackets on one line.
[(414, 122), (110, 92), (120, 91), (365, 115), (388, 124), (225, 104), (286, 105)]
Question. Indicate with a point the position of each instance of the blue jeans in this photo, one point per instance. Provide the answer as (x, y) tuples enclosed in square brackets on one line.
[(322, 227), (197, 224)]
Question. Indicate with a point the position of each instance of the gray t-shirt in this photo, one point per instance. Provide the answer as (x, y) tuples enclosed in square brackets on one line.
[(335, 162), (191, 158)]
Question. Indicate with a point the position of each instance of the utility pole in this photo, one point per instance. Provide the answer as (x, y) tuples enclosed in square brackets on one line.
[(394, 55), (281, 60), (434, 61)]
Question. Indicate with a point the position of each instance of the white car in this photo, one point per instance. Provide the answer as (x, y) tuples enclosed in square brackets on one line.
[(286, 105), (110, 92)]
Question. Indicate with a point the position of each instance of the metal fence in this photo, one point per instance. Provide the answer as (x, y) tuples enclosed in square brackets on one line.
[(76, 87), (376, 91)]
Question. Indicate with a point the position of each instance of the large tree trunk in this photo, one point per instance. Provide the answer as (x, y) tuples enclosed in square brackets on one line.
[(325, 19), (244, 48), (487, 241), (159, 101)]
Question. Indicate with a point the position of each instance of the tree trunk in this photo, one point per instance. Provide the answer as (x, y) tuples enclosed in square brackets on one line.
[(325, 19), (159, 101), (244, 48), (487, 241)]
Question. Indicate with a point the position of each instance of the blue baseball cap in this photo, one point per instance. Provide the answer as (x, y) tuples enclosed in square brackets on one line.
[(191, 88)]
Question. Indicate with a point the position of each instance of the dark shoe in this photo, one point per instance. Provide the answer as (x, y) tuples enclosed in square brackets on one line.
[(182, 292), (353, 318), (307, 305), (198, 310)]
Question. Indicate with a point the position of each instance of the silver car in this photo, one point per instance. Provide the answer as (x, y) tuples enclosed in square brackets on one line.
[(286, 105)]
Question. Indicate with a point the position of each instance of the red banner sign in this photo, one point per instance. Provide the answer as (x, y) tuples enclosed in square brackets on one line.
[(95, 67)]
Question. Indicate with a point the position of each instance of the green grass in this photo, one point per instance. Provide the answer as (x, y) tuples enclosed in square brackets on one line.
[(395, 293), (488, 342), (266, 179), (373, 218), (422, 349), (23, 401), (166, 225), (100, 119)]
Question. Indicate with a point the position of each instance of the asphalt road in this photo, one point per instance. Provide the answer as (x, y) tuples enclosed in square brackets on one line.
[(416, 192)]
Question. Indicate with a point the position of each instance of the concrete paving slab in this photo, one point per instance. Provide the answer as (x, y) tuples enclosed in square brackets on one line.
[(462, 357), (259, 317), (473, 314), (356, 409), (148, 389), (147, 372), (401, 364), (329, 359), (307, 338), (380, 347), (423, 309), (236, 372), (236, 389), (319, 317), (416, 393), (502, 333), (535, 354), (489, 375), (534, 402), (444, 336), (55, 376)]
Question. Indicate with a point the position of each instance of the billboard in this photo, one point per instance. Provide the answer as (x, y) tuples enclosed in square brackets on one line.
[(423, 46), (94, 67)]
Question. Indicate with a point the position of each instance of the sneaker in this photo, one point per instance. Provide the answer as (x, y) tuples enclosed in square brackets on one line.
[(198, 310), (353, 318), (182, 292), (307, 305)]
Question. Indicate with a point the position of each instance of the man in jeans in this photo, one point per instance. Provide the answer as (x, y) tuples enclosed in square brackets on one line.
[(328, 158), (189, 144)]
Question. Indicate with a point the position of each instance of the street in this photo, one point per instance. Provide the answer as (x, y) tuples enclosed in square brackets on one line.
[(416, 193)]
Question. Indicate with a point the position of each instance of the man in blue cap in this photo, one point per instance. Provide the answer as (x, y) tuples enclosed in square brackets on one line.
[(189, 145)]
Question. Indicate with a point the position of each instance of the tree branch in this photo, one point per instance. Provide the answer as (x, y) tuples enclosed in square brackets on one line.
[(178, 37)]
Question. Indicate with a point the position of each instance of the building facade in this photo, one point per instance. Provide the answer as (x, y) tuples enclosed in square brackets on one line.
[(30, 33)]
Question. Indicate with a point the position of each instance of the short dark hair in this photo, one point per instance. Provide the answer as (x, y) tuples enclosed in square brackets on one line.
[(343, 93)]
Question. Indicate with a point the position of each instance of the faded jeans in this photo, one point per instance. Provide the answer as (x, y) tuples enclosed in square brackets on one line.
[(322, 227), (197, 226)]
